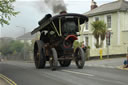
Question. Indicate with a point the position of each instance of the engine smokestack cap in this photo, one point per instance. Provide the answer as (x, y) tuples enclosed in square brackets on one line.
[(63, 12)]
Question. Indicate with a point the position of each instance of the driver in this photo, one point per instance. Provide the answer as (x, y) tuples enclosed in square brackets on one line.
[(69, 27)]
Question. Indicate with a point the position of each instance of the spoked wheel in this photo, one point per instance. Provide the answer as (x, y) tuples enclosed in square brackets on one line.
[(65, 63), (39, 56), (79, 58), (53, 59)]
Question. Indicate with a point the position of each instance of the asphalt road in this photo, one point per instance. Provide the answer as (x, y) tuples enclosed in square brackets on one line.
[(97, 73)]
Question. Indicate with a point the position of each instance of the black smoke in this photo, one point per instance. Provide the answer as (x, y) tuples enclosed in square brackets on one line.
[(56, 5)]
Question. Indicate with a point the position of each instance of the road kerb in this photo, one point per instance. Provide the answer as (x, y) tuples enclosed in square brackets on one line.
[(121, 67), (8, 80)]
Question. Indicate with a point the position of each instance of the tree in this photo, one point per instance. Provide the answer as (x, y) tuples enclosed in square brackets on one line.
[(6, 11), (8, 47), (99, 32)]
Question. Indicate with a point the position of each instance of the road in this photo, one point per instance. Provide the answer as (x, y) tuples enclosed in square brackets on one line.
[(102, 72)]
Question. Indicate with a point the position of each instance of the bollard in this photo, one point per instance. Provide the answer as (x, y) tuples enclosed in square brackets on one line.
[(101, 54)]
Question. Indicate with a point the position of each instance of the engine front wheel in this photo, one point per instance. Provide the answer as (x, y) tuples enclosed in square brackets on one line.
[(65, 63), (53, 59), (79, 58)]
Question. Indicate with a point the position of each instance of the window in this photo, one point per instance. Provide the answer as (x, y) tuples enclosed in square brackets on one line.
[(86, 26), (86, 41), (108, 21), (125, 21), (96, 18)]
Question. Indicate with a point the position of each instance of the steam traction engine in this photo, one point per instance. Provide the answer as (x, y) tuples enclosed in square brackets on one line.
[(56, 41)]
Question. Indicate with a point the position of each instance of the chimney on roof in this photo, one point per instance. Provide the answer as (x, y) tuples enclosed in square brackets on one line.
[(93, 5), (121, 0)]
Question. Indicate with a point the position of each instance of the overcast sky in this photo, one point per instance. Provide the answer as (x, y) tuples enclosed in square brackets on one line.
[(31, 11)]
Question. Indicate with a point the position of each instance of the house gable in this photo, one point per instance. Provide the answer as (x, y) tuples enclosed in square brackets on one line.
[(120, 5)]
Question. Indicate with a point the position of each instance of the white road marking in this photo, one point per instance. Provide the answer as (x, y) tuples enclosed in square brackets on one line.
[(112, 67), (89, 65), (103, 66), (77, 73)]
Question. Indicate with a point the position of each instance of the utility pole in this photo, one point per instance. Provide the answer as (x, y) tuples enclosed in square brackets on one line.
[(108, 35), (24, 46), (107, 51), (24, 29), (0, 40)]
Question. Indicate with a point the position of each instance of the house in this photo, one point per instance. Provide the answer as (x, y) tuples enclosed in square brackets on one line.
[(115, 15), (27, 37)]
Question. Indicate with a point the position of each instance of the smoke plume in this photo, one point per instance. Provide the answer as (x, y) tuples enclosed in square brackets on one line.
[(56, 5)]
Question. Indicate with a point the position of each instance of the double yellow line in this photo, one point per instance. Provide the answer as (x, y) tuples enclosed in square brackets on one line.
[(8, 80)]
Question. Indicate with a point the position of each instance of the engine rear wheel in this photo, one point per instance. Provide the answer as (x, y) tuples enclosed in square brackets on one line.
[(39, 55), (79, 58)]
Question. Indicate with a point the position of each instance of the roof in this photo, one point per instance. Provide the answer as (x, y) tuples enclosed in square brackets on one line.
[(48, 19), (6, 38), (120, 5), (26, 36)]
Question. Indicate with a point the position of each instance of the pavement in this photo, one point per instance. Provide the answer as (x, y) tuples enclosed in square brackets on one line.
[(2, 82), (98, 72), (106, 63)]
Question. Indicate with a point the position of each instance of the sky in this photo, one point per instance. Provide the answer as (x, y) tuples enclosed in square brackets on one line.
[(31, 11)]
